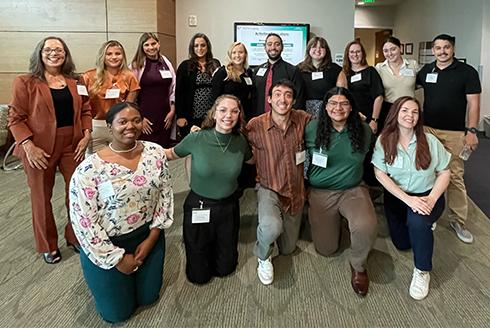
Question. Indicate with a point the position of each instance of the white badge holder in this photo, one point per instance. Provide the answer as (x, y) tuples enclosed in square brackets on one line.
[(397, 163), (112, 93), (261, 71), (300, 157), (408, 72), (319, 159), (82, 90), (355, 78), (316, 76), (105, 188), (201, 215), (431, 78), (247, 80), (165, 74)]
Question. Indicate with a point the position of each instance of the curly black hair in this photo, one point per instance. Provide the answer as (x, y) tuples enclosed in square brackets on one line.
[(354, 124)]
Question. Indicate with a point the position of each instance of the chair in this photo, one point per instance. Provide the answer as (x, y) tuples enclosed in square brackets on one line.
[(6, 139)]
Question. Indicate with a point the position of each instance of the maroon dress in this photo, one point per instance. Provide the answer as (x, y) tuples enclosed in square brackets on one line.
[(153, 101)]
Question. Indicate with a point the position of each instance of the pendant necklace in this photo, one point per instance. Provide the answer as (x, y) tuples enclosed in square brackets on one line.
[(123, 151), (219, 143)]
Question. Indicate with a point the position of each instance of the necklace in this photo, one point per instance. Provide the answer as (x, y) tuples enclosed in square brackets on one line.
[(123, 151), (219, 143)]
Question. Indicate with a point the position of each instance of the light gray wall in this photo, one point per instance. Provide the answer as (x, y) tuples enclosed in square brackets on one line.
[(374, 17), (421, 20), (485, 62), (331, 19)]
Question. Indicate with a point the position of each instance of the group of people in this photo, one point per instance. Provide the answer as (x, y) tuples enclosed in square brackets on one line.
[(315, 133)]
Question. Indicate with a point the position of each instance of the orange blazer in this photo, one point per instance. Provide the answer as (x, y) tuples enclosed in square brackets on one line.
[(32, 113)]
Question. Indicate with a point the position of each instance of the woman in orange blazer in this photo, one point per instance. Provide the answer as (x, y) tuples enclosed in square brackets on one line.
[(51, 121)]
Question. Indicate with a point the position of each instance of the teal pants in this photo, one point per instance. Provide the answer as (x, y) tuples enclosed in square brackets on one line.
[(116, 294)]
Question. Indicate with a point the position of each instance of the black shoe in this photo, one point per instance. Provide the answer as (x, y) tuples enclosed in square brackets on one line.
[(52, 258), (76, 247)]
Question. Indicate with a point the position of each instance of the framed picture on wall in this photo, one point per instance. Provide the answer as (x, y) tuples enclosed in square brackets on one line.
[(402, 46), (409, 48)]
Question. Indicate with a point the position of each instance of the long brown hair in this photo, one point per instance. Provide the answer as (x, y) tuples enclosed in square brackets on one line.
[(210, 123), (193, 65), (346, 67), (391, 133), (100, 77), (307, 64), (36, 65), (140, 56)]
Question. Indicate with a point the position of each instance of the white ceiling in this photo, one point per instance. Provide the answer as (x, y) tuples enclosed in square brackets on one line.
[(382, 3)]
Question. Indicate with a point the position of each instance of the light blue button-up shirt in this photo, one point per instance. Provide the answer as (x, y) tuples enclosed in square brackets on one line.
[(403, 171)]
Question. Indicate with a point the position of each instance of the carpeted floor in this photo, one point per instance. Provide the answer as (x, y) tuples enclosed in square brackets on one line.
[(309, 290)]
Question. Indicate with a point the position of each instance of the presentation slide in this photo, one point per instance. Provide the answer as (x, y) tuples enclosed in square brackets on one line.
[(294, 38)]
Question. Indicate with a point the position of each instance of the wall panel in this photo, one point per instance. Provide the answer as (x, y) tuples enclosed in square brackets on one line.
[(131, 15)]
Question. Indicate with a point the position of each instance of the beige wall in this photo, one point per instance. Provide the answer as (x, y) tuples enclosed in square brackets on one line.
[(374, 17), (84, 25), (331, 19), (368, 40)]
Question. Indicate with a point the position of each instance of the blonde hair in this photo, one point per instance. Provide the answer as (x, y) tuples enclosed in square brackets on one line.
[(230, 74), (100, 69)]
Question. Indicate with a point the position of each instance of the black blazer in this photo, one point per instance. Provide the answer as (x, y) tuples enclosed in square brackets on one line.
[(185, 88)]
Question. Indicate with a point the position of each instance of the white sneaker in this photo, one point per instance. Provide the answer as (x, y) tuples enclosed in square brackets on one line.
[(419, 288), (265, 271), (462, 232)]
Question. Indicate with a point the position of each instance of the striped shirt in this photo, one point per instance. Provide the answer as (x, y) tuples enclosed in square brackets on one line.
[(275, 153)]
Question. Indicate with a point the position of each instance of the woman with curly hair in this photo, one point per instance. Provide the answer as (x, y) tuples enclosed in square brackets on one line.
[(337, 143), (109, 83)]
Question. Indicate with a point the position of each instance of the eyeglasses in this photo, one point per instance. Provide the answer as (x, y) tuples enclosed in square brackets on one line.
[(48, 51), (357, 52), (224, 111), (343, 104)]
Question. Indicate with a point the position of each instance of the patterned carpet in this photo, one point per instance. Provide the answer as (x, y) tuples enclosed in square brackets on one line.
[(309, 290)]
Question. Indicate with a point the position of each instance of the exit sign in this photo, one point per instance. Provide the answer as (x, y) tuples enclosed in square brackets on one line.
[(369, 1)]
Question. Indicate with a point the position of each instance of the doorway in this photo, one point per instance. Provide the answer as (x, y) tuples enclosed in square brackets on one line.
[(371, 39)]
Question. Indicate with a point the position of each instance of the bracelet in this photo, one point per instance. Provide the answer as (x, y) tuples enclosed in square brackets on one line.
[(89, 131), (24, 142), (375, 120)]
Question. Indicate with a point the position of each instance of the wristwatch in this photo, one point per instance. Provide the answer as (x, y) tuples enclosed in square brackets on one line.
[(472, 130), (375, 120)]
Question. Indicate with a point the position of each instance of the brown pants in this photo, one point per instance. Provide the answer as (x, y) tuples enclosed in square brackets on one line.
[(327, 207), (41, 183)]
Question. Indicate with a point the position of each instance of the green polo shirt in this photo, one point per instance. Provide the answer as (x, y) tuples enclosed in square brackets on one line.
[(403, 171), (214, 173), (344, 167)]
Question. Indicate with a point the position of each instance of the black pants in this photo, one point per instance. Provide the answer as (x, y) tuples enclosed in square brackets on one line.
[(211, 248)]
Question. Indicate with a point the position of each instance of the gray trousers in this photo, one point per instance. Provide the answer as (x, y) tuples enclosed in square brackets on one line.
[(275, 225)]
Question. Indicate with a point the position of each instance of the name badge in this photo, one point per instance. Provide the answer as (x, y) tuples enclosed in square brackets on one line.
[(105, 190), (408, 72), (248, 80), (319, 159), (82, 90), (300, 157), (112, 93), (316, 76), (165, 74), (397, 163), (356, 78), (261, 71), (201, 215), (431, 78)]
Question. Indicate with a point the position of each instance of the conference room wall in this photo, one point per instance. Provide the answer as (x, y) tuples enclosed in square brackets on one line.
[(84, 25), (331, 19)]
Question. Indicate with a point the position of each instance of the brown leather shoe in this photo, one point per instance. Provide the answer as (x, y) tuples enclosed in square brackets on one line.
[(359, 281)]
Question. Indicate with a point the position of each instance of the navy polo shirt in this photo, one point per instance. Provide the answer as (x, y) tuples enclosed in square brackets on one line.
[(445, 101)]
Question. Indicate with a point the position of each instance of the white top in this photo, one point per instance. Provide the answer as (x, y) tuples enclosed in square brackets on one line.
[(400, 85)]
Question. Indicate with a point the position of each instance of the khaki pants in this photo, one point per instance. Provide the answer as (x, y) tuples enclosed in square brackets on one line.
[(99, 138), (456, 199), (327, 207)]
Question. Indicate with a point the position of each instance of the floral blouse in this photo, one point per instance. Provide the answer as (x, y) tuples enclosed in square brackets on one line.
[(108, 199)]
